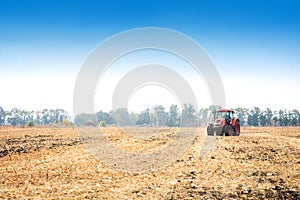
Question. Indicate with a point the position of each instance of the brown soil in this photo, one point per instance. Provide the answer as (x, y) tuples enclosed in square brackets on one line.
[(52, 163)]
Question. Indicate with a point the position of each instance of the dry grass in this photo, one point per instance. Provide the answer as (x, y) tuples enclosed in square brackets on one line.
[(261, 163)]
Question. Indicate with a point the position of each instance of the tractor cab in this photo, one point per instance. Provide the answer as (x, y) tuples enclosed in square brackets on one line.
[(224, 116), (225, 123)]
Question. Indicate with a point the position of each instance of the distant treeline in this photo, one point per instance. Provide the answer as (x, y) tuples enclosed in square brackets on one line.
[(156, 116), (17, 117)]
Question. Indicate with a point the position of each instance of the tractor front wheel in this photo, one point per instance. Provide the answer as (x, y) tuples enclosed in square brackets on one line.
[(210, 130), (219, 131)]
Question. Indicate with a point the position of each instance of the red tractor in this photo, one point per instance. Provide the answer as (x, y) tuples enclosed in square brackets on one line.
[(225, 123)]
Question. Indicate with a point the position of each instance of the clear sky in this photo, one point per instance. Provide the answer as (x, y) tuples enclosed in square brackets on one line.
[(254, 44)]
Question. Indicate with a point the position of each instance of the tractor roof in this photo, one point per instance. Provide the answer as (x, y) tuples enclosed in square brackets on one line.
[(225, 110)]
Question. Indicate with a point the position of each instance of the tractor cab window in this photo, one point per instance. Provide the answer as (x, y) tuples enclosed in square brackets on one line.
[(229, 115), (221, 115)]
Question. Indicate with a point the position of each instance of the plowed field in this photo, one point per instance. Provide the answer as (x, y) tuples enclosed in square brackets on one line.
[(53, 163)]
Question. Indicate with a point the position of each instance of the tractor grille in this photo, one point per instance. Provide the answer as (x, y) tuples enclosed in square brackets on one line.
[(218, 122)]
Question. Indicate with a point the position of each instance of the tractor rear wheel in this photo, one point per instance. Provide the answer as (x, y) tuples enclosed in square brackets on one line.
[(227, 130), (237, 128)]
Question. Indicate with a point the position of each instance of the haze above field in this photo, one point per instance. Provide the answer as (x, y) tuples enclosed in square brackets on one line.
[(254, 45)]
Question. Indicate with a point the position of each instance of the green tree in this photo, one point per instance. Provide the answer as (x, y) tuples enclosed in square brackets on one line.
[(275, 118), (286, 118), (102, 124), (2, 116), (295, 117), (253, 117), (173, 118), (106, 117), (110, 118), (203, 116), (144, 118), (269, 115), (59, 115), (38, 119), (123, 117), (242, 114), (281, 117), (86, 119), (188, 115), (262, 118), (159, 116), (30, 123), (15, 117), (210, 113), (45, 116)]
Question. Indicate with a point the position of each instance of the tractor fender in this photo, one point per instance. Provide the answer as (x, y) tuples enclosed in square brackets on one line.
[(234, 120)]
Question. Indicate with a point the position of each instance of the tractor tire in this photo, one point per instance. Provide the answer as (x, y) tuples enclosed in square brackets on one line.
[(220, 131), (227, 130), (237, 128), (210, 131)]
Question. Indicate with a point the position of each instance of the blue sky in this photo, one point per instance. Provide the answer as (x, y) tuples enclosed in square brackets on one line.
[(254, 44)]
